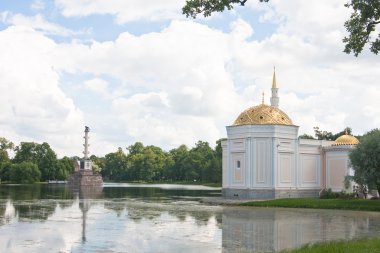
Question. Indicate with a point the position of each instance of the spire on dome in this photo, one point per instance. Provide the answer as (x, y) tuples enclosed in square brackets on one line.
[(274, 85), (262, 100), (274, 100)]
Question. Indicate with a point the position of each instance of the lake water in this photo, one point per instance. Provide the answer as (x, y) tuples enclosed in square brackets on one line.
[(160, 218)]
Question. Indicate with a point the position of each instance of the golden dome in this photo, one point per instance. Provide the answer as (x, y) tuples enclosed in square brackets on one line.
[(346, 139), (263, 115)]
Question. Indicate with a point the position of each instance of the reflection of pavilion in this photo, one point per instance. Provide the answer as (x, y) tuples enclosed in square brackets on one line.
[(85, 194), (267, 229)]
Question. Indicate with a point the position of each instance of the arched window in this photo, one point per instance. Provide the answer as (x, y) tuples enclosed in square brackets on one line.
[(238, 164)]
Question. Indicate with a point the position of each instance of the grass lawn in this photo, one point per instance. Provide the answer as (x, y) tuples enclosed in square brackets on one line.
[(342, 204), (355, 246)]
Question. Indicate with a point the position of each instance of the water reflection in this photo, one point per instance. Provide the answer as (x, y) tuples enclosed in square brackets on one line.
[(148, 219), (269, 229), (85, 195)]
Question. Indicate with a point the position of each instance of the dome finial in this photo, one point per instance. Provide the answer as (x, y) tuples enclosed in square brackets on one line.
[(262, 100), (274, 100), (346, 131), (274, 84)]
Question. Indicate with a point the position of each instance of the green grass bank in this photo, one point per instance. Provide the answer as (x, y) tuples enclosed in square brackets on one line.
[(341, 204), (370, 245)]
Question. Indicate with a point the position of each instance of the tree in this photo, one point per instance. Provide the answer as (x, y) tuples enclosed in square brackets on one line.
[(323, 135), (147, 163), (176, 170), (64, 168), (25, 172), (207, 7), (5, 144), (115, 166), (5, 162), (362, 23), (46, 161), (41, 155), (198, 164), (217, 162), (365, 160), (98, 163), (306, 136)]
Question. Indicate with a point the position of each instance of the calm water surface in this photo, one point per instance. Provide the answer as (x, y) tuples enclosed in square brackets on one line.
[(160, 218)]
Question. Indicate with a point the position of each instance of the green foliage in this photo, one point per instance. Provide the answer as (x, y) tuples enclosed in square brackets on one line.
[(329, 194), (5, 144), (362, 23), (115, 166), (143, 163), (40, 154), (98, 164), (207, 7), (353, 246), (323, 135), (343, 204), (64, 168), (176, 171), (152, 164), (5, 172), (306, 136), (25, 172), (365, 160), (5, 163)]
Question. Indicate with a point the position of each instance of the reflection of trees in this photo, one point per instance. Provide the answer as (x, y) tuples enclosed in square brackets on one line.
[(116, 205), (56, 192), (38, 210), (181, 216), (137, 210), (65, 203), (34, 191), (36, 202), (21, 192), (152, 193), (201, 217), (2, 213)]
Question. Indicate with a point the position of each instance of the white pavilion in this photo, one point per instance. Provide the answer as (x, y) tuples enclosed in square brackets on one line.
[(263, 158)]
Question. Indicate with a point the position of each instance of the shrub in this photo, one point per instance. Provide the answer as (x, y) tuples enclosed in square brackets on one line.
[(329, 194)]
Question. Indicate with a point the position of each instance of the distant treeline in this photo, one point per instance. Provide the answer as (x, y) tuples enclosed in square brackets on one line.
[(35, 162)]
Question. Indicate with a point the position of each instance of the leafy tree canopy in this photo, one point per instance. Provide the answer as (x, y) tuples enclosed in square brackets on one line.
[(365, 160), (25, 172), (362, 23), (40, 154), (325, 135), (207, 7)]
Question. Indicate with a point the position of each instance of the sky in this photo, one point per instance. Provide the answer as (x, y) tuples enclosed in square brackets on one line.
[(141, 71)]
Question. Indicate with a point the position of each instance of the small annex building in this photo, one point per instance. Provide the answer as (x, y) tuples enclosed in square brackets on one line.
[(263, 158)]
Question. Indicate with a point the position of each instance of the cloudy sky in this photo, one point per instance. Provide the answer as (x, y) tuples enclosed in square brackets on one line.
[(140, 71)]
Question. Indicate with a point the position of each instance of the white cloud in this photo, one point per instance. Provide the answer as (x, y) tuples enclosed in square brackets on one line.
[(37, 5), (188, 81), (124, 11), (97, 85), (33, 107), (38, 23), (189, 94)]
